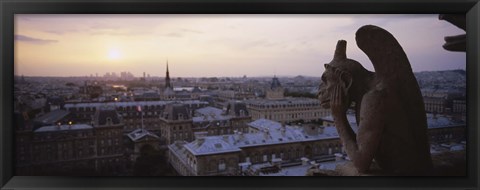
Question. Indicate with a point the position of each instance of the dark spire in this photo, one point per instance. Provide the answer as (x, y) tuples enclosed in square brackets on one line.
[(275, 83), (167, 78)]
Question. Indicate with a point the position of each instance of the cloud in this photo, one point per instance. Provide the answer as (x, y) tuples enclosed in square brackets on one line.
[(192, 31), (61, 31), (182, 33), (32, 40), (174, 34)]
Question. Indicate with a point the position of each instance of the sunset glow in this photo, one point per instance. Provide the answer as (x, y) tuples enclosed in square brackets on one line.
[(114, 54), (215, 45)]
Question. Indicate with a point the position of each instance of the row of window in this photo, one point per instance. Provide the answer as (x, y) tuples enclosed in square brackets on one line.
[(286, 105)]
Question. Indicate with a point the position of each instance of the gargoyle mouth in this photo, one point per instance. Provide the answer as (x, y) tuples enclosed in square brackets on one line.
[(458, 42)]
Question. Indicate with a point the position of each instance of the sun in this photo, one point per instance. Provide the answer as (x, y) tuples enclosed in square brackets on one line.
[(114, 54)]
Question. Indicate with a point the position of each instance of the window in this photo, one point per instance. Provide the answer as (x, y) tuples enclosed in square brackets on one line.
[(221, 165)]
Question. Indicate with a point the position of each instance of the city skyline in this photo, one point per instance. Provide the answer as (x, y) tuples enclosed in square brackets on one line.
[(215, 45)]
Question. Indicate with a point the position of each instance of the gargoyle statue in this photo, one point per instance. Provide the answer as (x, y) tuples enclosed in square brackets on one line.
[(388, 103)]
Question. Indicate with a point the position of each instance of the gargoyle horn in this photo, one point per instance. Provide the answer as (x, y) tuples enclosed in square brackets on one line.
[(341, 50)]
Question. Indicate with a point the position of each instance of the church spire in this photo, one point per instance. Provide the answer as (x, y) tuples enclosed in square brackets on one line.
[(167, 78)]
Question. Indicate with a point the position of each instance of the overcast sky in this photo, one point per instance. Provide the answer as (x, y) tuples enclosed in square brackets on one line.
[(216, 45)]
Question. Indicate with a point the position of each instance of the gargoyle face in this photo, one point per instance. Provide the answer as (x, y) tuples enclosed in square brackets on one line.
[(332, 77)]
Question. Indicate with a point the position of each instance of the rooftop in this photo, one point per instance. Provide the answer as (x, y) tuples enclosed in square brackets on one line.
[(272, 133), (211, 145), (437, 121), (52, 117), (441, 121), (138, 134), (209, 114), (54, 128), (302, 170), (287, 100), (125, 104)]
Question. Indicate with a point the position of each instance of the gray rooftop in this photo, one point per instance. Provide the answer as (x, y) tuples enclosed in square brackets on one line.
[(52, 117), (274, 134), (126, 104), (138, 134), (55, 128), (209, 114), (285, 101), (440, 121)]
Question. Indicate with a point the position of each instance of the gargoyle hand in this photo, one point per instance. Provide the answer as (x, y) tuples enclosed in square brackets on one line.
[(339, 102)]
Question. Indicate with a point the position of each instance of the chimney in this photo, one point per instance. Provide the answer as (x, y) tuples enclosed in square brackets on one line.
[(266, 133), (283, 129), (320, 129), (200, 141), (201, 134), (305, 161)]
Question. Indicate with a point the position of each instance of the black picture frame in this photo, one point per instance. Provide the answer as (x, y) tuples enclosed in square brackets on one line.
[(11, 7)]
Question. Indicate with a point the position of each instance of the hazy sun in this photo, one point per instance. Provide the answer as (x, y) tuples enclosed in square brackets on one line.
[(114, 54)]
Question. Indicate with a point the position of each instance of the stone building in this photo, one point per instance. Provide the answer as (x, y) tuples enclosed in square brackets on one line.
[(142, 142), (459, 106), (226, 96), (132, 117), (176, 123), (108, 128), (287, 109), (435, 104), (444, 129), (179, 122), (61, 148), (74, 149), (442, 101), (274, 142), (216, 121), (275, 91)]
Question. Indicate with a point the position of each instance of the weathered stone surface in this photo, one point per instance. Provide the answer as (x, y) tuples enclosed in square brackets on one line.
[(389, 107), (458, 42), (444, 164)]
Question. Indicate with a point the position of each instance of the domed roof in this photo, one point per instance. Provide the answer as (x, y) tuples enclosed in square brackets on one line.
[(275, 83)]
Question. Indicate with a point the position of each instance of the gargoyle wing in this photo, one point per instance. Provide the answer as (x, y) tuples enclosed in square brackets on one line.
[(386, 54), (394, 72)]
